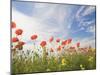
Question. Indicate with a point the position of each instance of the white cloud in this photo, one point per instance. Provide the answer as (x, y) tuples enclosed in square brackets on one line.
[(91, 29), (52, 11), (85, 42), (32, 25), (90, 41), (88, 10)]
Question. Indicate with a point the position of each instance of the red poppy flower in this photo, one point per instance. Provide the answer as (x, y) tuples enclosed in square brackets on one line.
[(21, 43), (69, 41), (78, 44), (58, 40), (15, 39), (13, 25), (20, 47), (19, 31), (51, 39), (33, 37), (64, 42), (43, 43), (59, 48)]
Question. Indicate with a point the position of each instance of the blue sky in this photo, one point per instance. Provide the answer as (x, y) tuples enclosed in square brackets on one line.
[(59, 20)]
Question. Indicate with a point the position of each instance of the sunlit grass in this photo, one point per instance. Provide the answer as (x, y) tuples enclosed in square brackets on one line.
[(65, 62)]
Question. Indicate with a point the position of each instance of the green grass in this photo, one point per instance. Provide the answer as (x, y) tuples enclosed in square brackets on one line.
[(77, 61)]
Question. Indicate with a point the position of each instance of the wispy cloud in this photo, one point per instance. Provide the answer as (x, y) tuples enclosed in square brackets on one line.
[(84, 19), (78, 14), (88, 10), (84, 11)]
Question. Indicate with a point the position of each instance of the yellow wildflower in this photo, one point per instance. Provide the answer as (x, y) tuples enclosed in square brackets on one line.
[(63, 61), (82, 67)]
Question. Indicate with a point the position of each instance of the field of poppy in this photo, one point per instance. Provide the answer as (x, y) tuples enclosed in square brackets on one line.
[(62, 56)]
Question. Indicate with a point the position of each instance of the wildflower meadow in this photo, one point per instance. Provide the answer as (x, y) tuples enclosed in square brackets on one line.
[(61, 57)]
